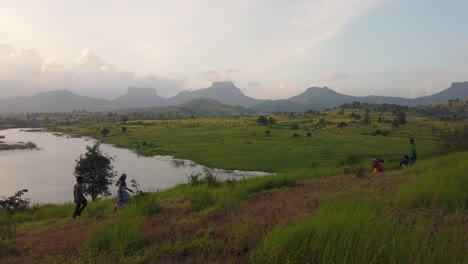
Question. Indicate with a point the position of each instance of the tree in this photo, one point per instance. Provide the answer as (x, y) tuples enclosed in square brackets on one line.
[(124, 118), (271, 120), (97, 171), (366, 119), (342, 124), (401, 116), (14, 203), (123, 129), (267, 132), (262, 120), (105, 131)]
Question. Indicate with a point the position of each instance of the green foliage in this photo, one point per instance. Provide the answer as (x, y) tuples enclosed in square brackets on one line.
[(14, 203), (294, 127), (262, 120), (8, 207), (342, 124), (97, 171), (267, 132), (105, 131), (455, 139)]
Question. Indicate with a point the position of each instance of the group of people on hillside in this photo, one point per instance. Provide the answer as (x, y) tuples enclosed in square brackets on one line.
[(123, 197), (408, 160)]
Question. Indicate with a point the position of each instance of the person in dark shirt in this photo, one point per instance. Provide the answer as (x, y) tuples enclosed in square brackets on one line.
[(79, 198)]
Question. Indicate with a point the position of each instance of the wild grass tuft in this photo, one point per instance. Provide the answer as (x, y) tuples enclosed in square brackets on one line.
[(356, 230), (444, 185)]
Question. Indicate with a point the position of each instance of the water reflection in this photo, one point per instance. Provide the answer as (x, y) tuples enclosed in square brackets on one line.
[(48, 172)]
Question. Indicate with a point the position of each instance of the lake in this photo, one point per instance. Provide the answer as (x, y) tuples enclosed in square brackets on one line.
[(47, 172)]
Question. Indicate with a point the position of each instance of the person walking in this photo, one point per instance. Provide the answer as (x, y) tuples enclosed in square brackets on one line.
[(413, 153), (123, 197), (79, 198)]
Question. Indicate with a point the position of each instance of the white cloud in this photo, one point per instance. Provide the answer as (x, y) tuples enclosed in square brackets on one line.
[(25, 72)]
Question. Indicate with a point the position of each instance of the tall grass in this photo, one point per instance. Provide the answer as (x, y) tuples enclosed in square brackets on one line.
[(444, 184), (356, 230), (222, 196), (124, 234)]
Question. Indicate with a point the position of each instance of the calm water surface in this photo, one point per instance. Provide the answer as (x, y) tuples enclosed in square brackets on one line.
[(48, 172)]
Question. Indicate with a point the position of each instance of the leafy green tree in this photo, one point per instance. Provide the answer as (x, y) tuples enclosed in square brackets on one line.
[(124, 118), (262, 120), (271, 120), (14, 203), (97, 171), (366, 119), (342, 124), (401, 117), (105, 131), (295, 127), (267, 132)]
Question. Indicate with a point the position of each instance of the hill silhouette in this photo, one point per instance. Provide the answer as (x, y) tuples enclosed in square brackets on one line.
[(314, 98)]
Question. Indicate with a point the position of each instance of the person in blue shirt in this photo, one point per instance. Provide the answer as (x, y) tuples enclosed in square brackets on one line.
[(122, 195)]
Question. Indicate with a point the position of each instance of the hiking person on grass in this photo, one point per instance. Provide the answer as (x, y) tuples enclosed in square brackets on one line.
[(405, 162), (412, 154), (122, 195), (79, 198), (377, 165)]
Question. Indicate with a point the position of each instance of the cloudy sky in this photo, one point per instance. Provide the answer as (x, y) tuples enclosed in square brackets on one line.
[(268, 48)]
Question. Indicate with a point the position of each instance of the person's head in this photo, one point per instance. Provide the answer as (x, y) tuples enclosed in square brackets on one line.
[(123, 177), (79, 179), (411, 141)]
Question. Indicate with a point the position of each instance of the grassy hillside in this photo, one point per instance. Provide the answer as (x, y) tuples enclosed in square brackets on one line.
[(311, 211), (403, 216)]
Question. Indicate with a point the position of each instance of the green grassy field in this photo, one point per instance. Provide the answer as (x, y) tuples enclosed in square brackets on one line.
[(242, 143)]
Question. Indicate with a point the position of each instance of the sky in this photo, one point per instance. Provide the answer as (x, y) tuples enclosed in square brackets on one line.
[(269, 49)]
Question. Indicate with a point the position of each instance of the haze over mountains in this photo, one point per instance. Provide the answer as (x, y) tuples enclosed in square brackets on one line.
[(226, 93)]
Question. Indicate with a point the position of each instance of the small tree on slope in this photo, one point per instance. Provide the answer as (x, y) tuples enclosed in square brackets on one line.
[(97, 171)]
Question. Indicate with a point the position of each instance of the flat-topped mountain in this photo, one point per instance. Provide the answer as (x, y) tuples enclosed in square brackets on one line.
[(140, 97), (225, 92)]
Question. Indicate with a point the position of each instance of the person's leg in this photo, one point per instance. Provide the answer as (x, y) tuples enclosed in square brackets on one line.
[(84, 203), (77, 209)]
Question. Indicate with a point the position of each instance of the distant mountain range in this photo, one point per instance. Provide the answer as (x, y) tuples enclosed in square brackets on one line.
[(222, 93)]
